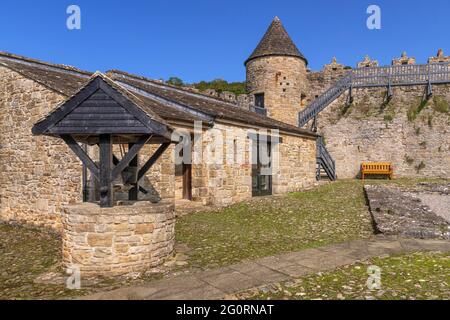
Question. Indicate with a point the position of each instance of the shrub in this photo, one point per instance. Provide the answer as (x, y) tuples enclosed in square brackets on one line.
[(409, 160), (420, 166), (415, 110), (388, 117), (440, 104)]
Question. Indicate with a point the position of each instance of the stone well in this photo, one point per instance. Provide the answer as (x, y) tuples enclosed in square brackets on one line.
[(117, 241)]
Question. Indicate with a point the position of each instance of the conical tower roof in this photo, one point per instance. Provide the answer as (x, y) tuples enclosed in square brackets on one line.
[(276, 42)]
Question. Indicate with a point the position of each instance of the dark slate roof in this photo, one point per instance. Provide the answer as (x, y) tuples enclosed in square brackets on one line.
[(61, 78), (276, 41), (209, 106), (68, 80), (156, 98)]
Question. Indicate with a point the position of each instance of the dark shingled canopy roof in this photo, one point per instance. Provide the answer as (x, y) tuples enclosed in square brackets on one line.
[(277, 42), (167, 102)]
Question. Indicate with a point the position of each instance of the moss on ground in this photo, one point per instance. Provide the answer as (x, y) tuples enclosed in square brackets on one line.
[(25, 254), (331, 213), (411, 276)]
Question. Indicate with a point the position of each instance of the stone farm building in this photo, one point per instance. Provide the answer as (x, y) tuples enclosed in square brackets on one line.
[(40, 175)]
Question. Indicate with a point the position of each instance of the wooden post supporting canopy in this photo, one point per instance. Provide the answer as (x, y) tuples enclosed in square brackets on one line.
[(106, 190), (133, 193)]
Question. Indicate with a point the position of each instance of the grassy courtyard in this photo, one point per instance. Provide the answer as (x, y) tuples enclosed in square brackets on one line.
[(413, 276), (24, 256), (331, 213), (30, 260)]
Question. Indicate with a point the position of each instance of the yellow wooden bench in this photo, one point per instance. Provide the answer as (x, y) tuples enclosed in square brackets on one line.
[(377, 168)]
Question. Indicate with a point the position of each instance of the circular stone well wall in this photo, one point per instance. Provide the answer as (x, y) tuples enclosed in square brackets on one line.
[(119, 240)]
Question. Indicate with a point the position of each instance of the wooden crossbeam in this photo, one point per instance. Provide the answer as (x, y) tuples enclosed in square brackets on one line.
[(141, 189), (152, 160), (129, 156), (82, 155)]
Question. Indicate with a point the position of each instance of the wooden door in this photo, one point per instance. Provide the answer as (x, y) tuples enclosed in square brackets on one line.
[(187, 181)]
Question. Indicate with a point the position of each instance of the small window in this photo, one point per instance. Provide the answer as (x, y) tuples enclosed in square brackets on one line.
[(259, 100), (303, 99)]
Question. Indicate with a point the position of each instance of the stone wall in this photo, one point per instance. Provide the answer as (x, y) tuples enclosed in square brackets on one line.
[(231, 182), (117, 241), (39, 175), (320, 81), (283, 82), (297, 165), (412, 134)]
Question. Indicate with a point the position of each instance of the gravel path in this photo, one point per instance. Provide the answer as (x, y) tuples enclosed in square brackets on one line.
[(440, 204)]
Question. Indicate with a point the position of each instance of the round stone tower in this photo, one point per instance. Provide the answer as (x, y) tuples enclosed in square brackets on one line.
[(276, 75)]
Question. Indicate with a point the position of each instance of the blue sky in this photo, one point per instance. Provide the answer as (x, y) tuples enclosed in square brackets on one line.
[(208, 39)]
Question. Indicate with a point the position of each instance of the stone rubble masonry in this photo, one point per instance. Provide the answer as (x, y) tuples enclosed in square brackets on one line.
[(403, 60), (297, 165), (439, 58), (117, 241), (399, 212), (283, 80), (367, 63), (413, 135), (39, 175)]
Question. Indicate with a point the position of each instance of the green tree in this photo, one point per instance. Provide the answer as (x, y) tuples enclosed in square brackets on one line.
[(221, 85), (175, 81)]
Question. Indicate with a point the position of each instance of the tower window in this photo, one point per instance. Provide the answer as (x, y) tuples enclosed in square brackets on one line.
[(259, 100)]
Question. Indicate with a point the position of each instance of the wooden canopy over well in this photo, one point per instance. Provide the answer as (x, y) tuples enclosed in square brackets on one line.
[(103, 113)]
